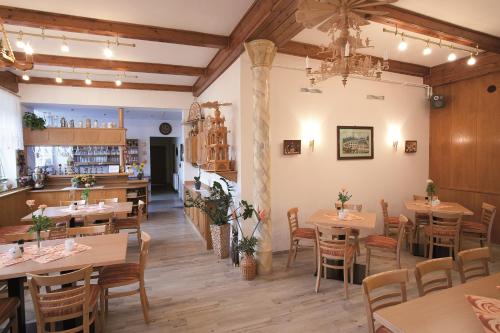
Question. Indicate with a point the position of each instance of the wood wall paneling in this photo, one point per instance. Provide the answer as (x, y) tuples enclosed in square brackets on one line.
[(465, 144), (13, 207)]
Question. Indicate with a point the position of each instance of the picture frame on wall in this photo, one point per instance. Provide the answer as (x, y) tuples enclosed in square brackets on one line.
[(354, 142), (410, 146), (292, 147)]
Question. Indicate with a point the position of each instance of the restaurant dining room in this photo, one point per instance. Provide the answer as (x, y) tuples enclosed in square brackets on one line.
[(249, 166)]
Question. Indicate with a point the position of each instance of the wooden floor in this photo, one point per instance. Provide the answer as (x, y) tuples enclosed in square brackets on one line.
[(191, 291)]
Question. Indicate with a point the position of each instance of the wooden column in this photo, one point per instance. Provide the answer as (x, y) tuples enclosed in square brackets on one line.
[(262, 54), (121, 148)]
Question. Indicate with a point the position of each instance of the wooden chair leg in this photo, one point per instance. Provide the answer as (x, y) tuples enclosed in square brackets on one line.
[(106, 300), (289, 254), (346, 293), (356, 243), (102, 304), (315, 256), (318, 275), (139, 236), (352, 272), (296, 250), (86, 324), (14, 327), (431, 247), (144, 303), (368, 254)]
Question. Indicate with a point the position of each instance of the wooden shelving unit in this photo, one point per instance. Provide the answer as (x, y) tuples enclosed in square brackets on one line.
[(132, 151)]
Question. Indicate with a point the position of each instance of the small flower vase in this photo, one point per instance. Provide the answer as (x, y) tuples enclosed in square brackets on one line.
[(197, 185), (39, 240), (140, 175), (342, 213)]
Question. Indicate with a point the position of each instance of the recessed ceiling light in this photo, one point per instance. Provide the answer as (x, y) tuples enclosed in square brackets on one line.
[(452, 57)]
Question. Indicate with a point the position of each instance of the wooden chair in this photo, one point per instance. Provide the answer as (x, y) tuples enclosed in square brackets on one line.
[(443, 230), (428, 267), (297, 234), (391, 225), (54, 305), (71, 202), (480, 230), (333, 244), (8, 314), (106, 200), (120, 275), (99, 218), (386, 245), (93, 230), (421, 219), (57, 233), (383, 299), (61, 221), (354, 232), (132, 223), (473, 263)]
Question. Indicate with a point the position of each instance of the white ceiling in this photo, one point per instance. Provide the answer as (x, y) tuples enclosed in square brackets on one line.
[(77, 112)]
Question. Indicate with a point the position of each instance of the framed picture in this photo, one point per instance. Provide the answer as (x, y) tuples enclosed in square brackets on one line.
[(410, 146), (354, 142), (291, 147)]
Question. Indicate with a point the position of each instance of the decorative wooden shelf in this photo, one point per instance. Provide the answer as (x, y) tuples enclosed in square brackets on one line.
[(75, 137)]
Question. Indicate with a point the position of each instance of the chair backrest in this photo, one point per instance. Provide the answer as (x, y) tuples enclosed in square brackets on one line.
[(52, 305), (58, 233), (403, 220), (473, 263), (91, 218), (430, 267), (24, 236), (418, 197), (106, 200), (144, 254), (448, 221), (385, 208), (488, 216), (293, 219), (332, 242), (93, 230), (71, 202), (61, 220), (356, 207), (140, 211), (383, 299)]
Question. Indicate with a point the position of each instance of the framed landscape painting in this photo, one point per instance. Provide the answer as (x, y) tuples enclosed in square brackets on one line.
[(354, 142)]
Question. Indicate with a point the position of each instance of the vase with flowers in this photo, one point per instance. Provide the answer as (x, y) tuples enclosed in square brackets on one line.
[(85, 195), (431, 191), (40, 223), (139, 169), (343, 197), (83, 181)]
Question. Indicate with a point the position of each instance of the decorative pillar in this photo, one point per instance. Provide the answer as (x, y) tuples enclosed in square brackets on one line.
[(121, 148), (262, 54)]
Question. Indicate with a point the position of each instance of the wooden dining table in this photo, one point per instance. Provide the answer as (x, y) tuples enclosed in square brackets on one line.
[(445, 311), (118, 208), (104, 250), (421, 206)]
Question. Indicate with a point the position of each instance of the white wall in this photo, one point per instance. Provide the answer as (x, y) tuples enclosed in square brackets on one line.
[(49, 94), (312, 180)]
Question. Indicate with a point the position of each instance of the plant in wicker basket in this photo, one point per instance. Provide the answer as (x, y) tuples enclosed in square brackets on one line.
[(246, 245)]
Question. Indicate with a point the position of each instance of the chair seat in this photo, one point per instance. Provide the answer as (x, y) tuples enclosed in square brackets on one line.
[(474, 227), (340, 252), (7, 308), (308, 233), (119, 275), (383, 329), (440, 231), (382, 242), (95, 292), (126, 223)]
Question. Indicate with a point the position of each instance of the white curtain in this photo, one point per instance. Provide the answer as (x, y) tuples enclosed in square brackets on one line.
[(11, 133)]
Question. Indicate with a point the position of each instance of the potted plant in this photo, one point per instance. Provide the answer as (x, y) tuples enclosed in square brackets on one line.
[(246, 245), (431, 190), (216, 206), (83, 180), (40, 223), (197, 181), (343, 197), (33, 122), (139, 169)]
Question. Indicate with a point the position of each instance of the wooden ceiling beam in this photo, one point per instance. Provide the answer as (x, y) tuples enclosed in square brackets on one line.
[(459, 70), (304, 49), (113, 65), (70, 23), (8, 81), (107, 84), (425, 25)]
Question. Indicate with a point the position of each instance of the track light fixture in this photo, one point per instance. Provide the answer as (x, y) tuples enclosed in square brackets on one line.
[(59, 79), (403, 45), (472, 60), (88, 81), (427, 50)]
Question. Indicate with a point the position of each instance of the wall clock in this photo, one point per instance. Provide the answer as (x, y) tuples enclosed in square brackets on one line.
[(165, 128)]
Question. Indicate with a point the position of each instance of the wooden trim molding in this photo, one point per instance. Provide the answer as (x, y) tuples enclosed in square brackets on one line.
[(8, 81), (106, 84), (304, 49), (113, 65), (459, 70), (425, 25), (55, 21)]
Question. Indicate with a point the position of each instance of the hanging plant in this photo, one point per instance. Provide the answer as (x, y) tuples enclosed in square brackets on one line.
[(33, 122)]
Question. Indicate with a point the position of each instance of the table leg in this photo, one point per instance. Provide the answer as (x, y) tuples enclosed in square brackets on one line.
[(16, 289)]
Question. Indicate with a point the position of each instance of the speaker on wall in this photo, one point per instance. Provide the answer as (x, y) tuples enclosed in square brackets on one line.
[(437, 101)]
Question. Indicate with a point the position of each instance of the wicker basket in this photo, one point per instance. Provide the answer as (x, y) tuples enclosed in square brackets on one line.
[(220, 240), (248, 267)]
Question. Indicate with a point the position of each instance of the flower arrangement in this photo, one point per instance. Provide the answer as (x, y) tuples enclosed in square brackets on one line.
[(139, 169), (343, 197), (85, 180), (430, 189), (40, 222)]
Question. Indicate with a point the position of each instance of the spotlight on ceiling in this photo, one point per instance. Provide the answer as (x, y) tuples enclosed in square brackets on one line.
[(88, 81), (28, 49), (108, 53), (59, 80), (427, 51), (26, 77), (452, 57), (118, 82), (64, 47), (20, 43), (471, 61), (403, 45)]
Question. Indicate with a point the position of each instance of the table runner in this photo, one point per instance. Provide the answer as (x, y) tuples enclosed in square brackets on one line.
[(348, 217), (487, 310), (87, 209)]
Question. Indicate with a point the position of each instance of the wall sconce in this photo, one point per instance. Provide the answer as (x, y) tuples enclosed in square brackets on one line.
[(310, 131), (393, 136), (395, 144), (311, 144)]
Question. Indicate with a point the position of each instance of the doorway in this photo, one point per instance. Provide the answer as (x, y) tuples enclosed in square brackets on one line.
[(163, 164)]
